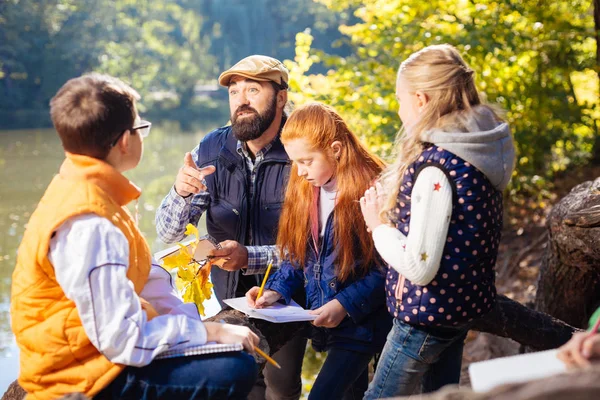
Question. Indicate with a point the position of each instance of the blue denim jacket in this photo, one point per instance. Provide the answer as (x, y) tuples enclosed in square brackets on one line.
[(365, 327)]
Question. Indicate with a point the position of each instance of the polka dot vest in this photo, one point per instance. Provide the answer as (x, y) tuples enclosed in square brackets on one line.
[(463, 288)]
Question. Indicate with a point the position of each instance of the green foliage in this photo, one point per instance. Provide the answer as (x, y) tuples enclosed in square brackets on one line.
[(42, 44), (155, 46), (239, 28), (534, 59), (163, 48)]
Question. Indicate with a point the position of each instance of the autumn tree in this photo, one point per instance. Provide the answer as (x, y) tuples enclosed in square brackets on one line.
[(534, 59)]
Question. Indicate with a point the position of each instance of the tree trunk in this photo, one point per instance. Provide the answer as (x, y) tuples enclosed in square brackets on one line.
[(568, 286), (596, 149)]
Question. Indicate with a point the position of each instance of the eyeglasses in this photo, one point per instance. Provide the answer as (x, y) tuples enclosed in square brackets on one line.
[(143, 127)]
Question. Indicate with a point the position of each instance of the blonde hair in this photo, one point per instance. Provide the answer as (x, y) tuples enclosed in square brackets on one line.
[(355, 170), (440, 73)]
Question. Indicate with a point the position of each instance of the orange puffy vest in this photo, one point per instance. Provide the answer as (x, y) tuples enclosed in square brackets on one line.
[(56, 355)]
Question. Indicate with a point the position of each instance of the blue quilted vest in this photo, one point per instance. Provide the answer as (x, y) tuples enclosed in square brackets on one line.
[(232, 215), (463, 288)]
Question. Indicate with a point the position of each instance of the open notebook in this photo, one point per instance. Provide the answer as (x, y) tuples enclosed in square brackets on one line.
[(486, 375), (277, 313), (208, 348)]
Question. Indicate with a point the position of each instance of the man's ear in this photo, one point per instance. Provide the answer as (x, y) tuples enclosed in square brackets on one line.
[(281, 98), (336, 148), (422, 99)]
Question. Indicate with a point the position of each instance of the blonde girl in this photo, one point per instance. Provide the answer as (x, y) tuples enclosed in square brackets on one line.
[(436, 219)]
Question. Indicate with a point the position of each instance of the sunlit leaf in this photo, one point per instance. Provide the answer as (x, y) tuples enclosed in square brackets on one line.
[(191, 230), (192, 279), (537, 63)]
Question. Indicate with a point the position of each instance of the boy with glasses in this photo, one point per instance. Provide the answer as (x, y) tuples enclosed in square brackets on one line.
[(143, 128), (90, 309)]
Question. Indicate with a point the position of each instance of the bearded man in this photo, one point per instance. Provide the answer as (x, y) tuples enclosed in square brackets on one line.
[(237, 175)]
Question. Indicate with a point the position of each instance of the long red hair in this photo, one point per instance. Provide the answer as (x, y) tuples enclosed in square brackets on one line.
[(356, 168)]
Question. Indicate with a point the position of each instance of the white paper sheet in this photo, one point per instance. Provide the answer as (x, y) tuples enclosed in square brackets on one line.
[(486, 375), (277, 313)]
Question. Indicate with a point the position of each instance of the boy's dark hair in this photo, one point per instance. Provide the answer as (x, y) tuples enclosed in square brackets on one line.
[(91, 111)]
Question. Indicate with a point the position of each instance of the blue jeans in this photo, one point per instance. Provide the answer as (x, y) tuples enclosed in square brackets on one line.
[(344, 375), (210, 376), (417, 359)]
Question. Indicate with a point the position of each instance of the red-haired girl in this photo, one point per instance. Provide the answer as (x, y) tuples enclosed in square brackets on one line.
[(326, 248)]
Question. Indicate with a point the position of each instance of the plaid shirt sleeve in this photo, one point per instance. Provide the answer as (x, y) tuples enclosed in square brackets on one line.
[(175, 212), (259, 258)]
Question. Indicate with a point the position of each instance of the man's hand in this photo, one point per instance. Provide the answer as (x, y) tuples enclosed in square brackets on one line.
[(235, 254), (578, 351), (267, 298), (227, 333), (330, 315), (189, 178)]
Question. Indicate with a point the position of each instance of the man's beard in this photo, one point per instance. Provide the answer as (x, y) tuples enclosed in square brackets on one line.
[(253, 126)]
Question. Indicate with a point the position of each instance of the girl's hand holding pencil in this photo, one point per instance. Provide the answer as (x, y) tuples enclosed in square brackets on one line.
[(268, 297), (583, 347), (255, 296), (580, 350)]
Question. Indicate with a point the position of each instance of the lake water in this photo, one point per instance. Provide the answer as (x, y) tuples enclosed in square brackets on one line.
[(28, 161)]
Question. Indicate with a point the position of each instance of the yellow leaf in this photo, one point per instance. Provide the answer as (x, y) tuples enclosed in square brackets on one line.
[(206, 290), (187, 294), (185, 250), (179, 284), (191, 281), (178, 259), (191, 230), (187, 273)]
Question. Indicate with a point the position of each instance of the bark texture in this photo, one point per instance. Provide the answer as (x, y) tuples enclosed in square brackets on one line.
[(569, 282)]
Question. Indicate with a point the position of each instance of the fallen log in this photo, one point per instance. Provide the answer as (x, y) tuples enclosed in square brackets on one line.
[(530, 328)]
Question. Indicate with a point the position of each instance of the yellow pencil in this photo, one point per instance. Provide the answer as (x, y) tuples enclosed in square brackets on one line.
[(266, 357), (262, 286)]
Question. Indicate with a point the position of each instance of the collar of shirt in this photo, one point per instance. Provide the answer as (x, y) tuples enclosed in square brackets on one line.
[(242, 150)]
